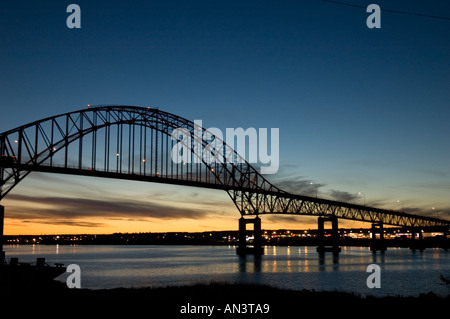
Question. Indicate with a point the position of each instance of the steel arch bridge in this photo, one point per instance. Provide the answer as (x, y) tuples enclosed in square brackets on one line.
[(134, 143)]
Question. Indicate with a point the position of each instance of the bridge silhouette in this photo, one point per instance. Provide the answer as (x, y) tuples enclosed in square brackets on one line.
[(135, 143)]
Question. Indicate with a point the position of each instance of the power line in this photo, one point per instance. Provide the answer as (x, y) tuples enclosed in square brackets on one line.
[(388, 10)]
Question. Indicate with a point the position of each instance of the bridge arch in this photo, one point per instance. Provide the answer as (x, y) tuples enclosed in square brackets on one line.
[(130, 142), (126, 142)]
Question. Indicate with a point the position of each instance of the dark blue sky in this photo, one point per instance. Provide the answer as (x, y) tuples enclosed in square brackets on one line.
[(358, 109)]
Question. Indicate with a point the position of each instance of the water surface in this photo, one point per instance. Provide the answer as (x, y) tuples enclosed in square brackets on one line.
[(403, 272)]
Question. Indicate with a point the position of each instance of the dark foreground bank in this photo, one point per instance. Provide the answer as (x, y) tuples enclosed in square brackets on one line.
[(209, 301)]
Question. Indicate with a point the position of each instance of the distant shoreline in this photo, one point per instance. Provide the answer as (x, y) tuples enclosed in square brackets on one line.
[(394, 237)]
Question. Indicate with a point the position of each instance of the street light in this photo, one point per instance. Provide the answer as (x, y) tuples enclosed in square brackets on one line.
[(364, 196), (400, 201), (317, 186), (434, 210)]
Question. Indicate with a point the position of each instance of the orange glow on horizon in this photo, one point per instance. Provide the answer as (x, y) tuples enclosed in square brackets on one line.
[(122, 225), (47, 204)]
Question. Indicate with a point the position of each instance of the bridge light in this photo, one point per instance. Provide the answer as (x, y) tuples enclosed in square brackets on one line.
[(143, 160), (364, 196), (117, 154), (16, 141)]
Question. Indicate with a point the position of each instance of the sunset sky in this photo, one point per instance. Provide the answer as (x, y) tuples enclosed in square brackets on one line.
[(358, 109)]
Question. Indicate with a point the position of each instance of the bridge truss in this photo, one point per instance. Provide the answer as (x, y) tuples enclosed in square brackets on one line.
[(135, 143)]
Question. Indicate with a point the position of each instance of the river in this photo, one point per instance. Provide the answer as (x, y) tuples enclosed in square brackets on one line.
[(402, 271)]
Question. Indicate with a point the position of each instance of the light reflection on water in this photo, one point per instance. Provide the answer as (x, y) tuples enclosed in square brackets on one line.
[(403, 272)]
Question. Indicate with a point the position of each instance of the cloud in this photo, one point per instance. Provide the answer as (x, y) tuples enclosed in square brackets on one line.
[(66, 210), (343, 196), (70, 223), (295, 219), (304, 187), (441, 213)]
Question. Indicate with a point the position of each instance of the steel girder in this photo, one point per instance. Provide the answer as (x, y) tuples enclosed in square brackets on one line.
[(134, 143), (272, 203), (93, 141)]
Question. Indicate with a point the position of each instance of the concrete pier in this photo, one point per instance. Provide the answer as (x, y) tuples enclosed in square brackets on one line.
[(2, 253), (417, 243), (334, 235), (256, 249), (378, 244)]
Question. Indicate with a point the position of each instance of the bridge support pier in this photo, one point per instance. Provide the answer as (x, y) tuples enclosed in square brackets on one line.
[(2, 253), (417, 243), (243, 249), (321, 248), (377, 244)]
